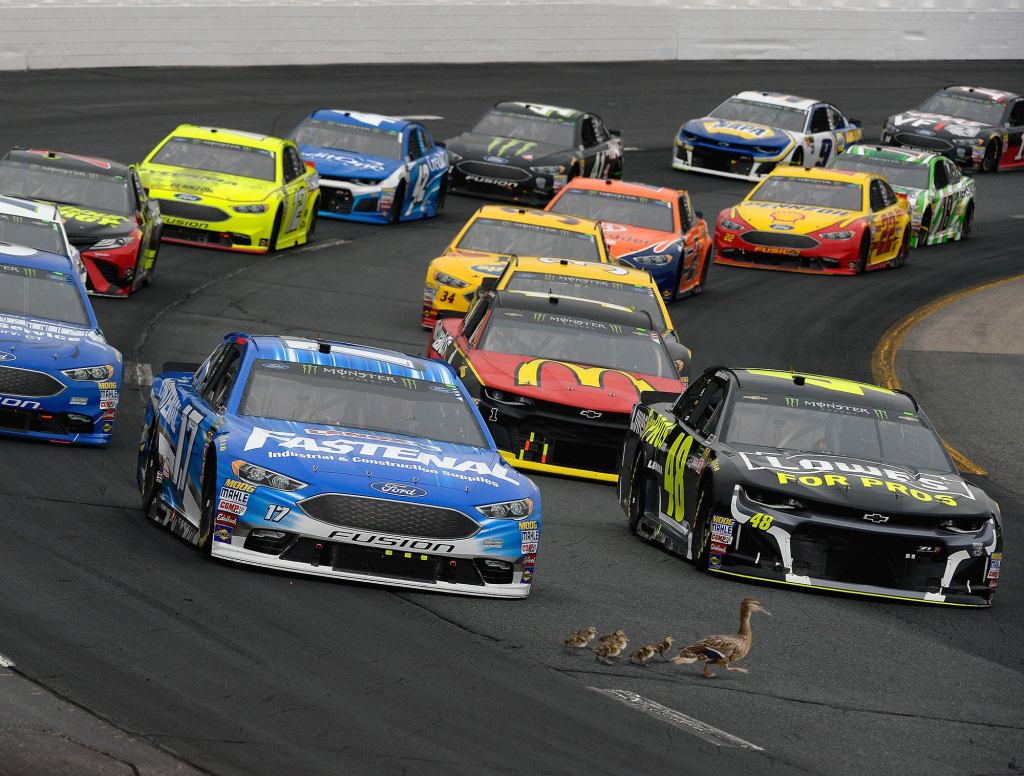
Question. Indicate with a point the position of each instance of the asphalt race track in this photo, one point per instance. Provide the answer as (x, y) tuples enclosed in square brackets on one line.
[(237, 671)]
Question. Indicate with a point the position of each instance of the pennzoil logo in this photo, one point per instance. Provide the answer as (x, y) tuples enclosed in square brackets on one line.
[(529, 373)]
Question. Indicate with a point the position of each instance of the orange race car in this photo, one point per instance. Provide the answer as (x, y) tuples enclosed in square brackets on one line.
[(647, 227)]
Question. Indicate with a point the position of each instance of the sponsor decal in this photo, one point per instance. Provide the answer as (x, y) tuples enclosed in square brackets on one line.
[(737, 129), (529, 373), (527, 574), (398, 489), (493, 544), (232, 507), (224, 518), (16, 327), (494, 270), (346, 159), (108, 427), (23, 404), (715, 562), (591, 414), (91, 216), (383, 540), (188, 197), (528, 547), (222, 534), (276, 513), (718, 547), (496, 159)]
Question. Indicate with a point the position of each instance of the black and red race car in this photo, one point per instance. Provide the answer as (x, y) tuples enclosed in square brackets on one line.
[(976, 128), (556, 377), (106, 212)]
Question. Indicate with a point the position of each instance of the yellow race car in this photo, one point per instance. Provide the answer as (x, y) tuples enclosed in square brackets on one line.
[(484, 245), (232, 190), (821, 221)]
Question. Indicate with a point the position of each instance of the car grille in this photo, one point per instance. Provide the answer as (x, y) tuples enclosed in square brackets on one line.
[(82, 242), (334, 200), (111, 272), (28, 382), (396, 517), (722, 161), (177, 209), (778, 240), (924, 141), (42, 422), (498, 171), (187, 234)]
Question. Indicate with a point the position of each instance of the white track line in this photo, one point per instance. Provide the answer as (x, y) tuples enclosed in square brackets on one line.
[(632, 148), (6, 662), (424, 117), (680, 720), (310, 248)]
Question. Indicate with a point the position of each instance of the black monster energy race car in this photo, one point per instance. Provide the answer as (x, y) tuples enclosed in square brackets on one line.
[(812, 481)]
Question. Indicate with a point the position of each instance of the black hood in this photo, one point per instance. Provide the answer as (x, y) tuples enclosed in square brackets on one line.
[(92, 225), (504, 150), (935, 125)]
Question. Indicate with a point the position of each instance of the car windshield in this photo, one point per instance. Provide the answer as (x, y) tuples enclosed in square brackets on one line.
[(777, 116), (371, 141), (813, 192), (642, 212), (215, 156), (536, 129), (353, 398), (32, 233), (36, 293), (105, 193), (638, 297), (513, 238), (947, 104), (836, 428), (577, 340), (907, 175)]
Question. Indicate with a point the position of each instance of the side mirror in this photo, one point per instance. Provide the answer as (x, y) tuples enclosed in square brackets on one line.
[(681, 357), (614, 133), (489, 283)]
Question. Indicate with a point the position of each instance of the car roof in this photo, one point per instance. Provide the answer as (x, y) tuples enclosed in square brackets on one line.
[(347, 355), (821, 388), (48, 262), (538, 109), (581, 269), (572, 307), (628, 188), (67, 161), (360, 119), (778, 98), (236, 136), (981, 93), (822, 173), (28, 208), (536, 217)]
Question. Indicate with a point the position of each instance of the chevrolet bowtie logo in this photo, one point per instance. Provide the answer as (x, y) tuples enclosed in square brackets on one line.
[(874, 517), (590, 414)]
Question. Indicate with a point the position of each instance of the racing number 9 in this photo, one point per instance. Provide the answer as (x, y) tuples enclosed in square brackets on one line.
[(826, 149)]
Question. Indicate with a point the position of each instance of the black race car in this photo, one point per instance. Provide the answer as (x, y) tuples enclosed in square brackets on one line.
[(527, 152), (106, 212), (811, 481), (976, 128)]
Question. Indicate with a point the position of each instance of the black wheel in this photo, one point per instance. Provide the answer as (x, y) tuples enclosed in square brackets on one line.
[(313, 218), (901, 257), (637, 494), (798, 158), (699, 288), (702, 528), (397, 204), (275, 231), (204, 541), (152, 466), (865, 250), (968, 224), (442, 195), (990, 162), (924, 229)]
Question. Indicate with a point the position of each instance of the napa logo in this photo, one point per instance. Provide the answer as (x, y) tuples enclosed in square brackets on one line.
[(738, 129), (398, 489)]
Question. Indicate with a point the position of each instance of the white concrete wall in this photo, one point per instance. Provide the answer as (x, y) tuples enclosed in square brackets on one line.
[(112, 33)]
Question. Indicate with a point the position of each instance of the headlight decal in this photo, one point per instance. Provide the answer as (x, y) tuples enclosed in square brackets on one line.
[(508, 510), (90, 374), (259, 475)]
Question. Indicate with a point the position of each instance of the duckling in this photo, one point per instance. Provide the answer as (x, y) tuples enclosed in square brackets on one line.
[(606, 651), (643, 654), (663, 646), (581, 638), (616, 635), (723, 650)]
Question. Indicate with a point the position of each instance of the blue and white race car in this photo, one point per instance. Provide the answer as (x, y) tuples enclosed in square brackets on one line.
[(373, 168), (752, 133), (337, 460), (59, 379)]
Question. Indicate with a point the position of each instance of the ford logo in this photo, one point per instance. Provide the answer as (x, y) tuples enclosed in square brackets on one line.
[(5, 356), (781, 227), (398, 489), (496, 159), (925, 132), (188, 197)]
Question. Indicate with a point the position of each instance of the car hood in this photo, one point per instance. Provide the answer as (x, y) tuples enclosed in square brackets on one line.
[(336, 163), (354, 460), (36, 343), (738, 133), (858, 484), (502, 150), (915, 122), (471, 266), (792, 219), (624, 239), (196, 186), (80, 222), (576, 385)]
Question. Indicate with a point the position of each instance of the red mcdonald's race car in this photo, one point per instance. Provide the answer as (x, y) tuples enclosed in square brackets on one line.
[(556, 378)]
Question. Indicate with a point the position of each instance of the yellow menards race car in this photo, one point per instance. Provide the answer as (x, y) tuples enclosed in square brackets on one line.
[(489, 239), (232, 190), (822, 221)]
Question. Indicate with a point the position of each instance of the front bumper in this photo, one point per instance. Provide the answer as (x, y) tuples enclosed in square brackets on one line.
[(511, 184), (349, 201), (59, 423), (215, 225), (843, 554), (445, 302), (837, 257), (967, 156), (111, 272), (724, 162)]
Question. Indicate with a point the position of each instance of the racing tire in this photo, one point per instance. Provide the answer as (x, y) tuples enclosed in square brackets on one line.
[(968, 224), (699, 288), (442, 195), (904, 253), (275, 232), (204, 539), (637, 495), (862, 256), (397, 204), (313, 219), (702, 528), (990, 162), (924, 229), (797, 160), (149, 482)]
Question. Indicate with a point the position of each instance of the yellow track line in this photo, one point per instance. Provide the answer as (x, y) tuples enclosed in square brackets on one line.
[(883, 360)]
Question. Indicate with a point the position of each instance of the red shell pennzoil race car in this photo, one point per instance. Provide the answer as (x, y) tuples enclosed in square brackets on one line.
[(648, 227), (555, 378), (822, 221)]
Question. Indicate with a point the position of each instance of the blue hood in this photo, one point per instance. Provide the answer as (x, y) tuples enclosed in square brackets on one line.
[(334, 163), (735, 133), (34, 343)]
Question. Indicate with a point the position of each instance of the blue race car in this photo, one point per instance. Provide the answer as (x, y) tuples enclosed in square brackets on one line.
[(340, 461), (59, 379), (373, 168)]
